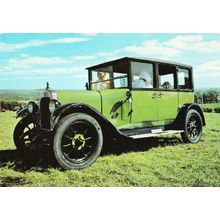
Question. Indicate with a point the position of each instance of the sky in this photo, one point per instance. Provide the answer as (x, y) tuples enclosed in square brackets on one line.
[(28, 61)]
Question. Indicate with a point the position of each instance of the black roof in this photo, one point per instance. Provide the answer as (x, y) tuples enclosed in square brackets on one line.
[(138, 59)]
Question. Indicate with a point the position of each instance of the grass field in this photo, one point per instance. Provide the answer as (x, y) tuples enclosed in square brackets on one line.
[(149, 162)]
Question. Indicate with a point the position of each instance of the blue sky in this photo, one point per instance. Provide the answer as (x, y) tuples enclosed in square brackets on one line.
[(28, 61)]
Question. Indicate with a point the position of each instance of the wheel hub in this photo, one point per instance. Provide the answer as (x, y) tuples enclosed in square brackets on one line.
[(193, 127), (78, 141)]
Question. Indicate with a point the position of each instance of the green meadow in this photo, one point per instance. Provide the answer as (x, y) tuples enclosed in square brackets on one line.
[(160, 161)]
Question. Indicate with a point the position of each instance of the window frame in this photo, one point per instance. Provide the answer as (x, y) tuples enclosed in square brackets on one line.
[(175, 80), (190, 79), (155, 75), (118, 77)]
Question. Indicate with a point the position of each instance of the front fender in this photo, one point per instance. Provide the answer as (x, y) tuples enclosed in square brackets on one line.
[(68, 109), (22, 112)]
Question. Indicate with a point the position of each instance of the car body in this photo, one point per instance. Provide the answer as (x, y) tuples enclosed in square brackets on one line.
[(127, 98)]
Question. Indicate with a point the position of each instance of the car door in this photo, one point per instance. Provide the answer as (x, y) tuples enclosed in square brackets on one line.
[(144, 96), (167, 94), (144, 106)]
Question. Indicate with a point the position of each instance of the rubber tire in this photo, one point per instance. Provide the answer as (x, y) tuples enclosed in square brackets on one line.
[(63, 124), (18, 131), (184, 135)]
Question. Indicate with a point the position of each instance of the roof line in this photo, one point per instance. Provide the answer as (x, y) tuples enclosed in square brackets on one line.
[(140, 60)]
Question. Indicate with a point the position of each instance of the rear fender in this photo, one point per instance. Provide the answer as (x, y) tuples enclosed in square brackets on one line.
[(180, 119)]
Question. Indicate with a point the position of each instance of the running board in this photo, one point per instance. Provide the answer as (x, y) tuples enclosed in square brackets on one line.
[(156, 133)]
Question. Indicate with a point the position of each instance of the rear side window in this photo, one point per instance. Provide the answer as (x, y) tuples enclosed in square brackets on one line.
[(167, 77), (184, 79)]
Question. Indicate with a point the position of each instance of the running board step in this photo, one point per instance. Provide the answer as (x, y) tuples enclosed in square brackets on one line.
[(156, 134)]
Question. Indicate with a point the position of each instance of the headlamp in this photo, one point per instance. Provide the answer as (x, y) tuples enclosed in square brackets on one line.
[(30, 107), (52, 105)]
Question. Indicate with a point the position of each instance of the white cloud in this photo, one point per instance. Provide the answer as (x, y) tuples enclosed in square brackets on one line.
[(183, 41), (26, 62), (36, 66), (85, 57), (58, 70), (9, 47), (109, 53), (194, 43), (67, 40), (211, 68), (46, 72), (2, 68), (174, 47), (90, 34), (152, 48)]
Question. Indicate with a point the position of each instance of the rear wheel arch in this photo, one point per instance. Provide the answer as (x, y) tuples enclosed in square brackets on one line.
[(199, 110), (180, 119)]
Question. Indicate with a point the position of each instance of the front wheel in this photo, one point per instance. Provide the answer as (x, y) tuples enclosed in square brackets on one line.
[(192, 127), (78, 141)]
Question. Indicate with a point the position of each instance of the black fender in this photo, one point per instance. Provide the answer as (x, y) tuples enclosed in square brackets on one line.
[(179, 121), (22, 112), (67, 109)]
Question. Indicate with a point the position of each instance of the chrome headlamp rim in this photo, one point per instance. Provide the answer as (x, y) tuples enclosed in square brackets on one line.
[(32, 107)]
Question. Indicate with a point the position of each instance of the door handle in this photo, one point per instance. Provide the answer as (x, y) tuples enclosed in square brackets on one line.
[(154, 95), (160, 95)]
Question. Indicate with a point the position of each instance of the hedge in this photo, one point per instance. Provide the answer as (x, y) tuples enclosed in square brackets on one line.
[(217, 110), (207, 109)]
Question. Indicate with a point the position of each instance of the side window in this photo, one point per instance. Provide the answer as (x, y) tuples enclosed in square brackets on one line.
[(142, 75), (100, 80), (167, 77), (184, 79), (110, 76)]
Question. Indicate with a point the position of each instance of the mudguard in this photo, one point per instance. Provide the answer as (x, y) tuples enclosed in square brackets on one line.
[(22, 112), (179, 121), (68, 109)]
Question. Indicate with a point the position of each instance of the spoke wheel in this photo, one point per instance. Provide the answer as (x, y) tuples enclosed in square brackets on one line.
[(78, 141), (193, 127), (24, 133)]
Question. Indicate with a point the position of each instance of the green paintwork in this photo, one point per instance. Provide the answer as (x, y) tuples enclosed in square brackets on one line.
[(92, 98), (144, 106), (167, 105), (149, 108), (185, 97), (118, 114), (153, 108), (113, 110)]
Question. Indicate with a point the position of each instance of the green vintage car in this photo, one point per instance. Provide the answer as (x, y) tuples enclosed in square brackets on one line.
[(127, 98)]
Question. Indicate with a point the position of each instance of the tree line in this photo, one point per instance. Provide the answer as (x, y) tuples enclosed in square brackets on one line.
[(210, 96), (11, 105)]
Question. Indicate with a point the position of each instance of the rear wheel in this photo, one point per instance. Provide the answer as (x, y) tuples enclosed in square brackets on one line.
[(78, 141), (192, 127)]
